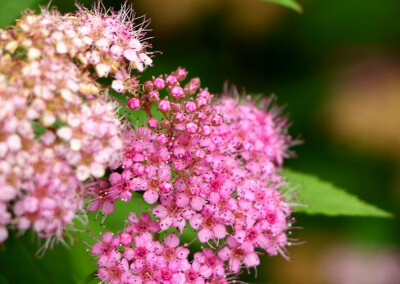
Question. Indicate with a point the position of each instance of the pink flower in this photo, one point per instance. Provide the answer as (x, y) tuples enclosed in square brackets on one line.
[(121, 185), (117, 273), (209, 265), (238, 254), (171, 215), (210, 229), (142, 225), (103, 197)]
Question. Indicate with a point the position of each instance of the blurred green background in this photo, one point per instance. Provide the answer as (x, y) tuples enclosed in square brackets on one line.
[(337, 68)]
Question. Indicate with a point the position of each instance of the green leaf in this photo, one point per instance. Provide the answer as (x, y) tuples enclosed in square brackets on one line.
[(38, 129), (321, 197), (12, 9), (3, 280), (18, 263), (291, 4)]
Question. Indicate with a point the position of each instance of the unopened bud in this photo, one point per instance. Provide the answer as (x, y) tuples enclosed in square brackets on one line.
[(191, 127), (177, 92), (190, 106), (165, 124), (134, 103), (159, 83), (181, 74), (153, 96), (152, 123), (164, 105), (171, 80)]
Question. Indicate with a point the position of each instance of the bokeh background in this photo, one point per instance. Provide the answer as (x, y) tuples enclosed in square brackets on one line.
[(336, 67)]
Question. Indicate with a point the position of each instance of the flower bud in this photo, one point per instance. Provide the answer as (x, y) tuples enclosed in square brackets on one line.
[(61, 48), (153, 96), (199, 154), (178, 165), (164, 105), (11, 46), (206, 130), (65, 133), (204, 94), (93, 57), (217, 120), (194, 190), (134, 103), (180, 117), (201, 101), (162, 139), (159, 83), (103, 44), (34, 54), (171, 80), (177, 92), (201, 115), (148, 86), (165, 124), (191, 128), (190, 106), (192, 86), (176, 107), (152, 123), (181, 74)]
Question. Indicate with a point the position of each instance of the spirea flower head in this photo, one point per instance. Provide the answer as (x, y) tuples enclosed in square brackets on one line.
[(257, 133), (210, 165), (58, 126)]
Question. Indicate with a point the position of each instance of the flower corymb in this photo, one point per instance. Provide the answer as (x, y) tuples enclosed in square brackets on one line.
[(209, 164), (206, 166), (58, 125)]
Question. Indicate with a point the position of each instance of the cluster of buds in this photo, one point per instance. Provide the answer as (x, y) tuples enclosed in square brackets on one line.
[(58, 127), (204, 163), (176, 142)]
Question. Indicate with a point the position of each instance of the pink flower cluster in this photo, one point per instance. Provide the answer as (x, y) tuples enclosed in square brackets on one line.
[(136, 255), (58, 127), (204, 163), (257, 134), (208, 164)]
